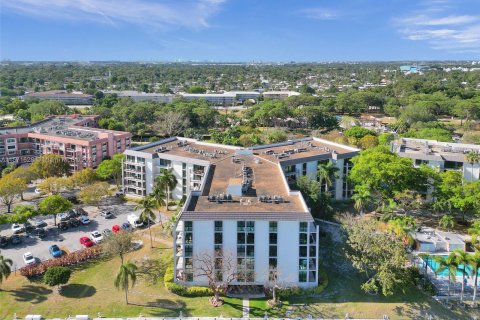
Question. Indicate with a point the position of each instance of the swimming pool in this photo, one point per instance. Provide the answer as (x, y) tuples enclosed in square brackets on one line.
[(434, 266)]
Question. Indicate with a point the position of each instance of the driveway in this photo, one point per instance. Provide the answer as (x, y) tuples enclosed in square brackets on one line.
[(67, 240)]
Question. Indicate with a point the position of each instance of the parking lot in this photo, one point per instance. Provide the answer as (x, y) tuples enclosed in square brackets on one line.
[(68, 240)]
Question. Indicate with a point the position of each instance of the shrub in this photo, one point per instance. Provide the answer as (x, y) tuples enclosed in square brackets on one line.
[(304, 292), (181, 290)]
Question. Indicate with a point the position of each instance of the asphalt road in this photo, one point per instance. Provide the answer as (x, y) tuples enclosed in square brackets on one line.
[(68, 240)]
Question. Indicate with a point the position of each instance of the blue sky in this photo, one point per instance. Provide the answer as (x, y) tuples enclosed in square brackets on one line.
[(240, 30)]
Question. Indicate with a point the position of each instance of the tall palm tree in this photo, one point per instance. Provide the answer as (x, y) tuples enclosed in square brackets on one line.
[(170, 225), (327, 172), (126, 275), (160, 197), (461, 257), (450, 265), (472, 158), (474, 263), (362, 198), (147, 204), (5, 267), (166, 181)]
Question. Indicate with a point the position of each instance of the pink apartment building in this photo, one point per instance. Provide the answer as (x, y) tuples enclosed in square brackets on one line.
[(73, 137)]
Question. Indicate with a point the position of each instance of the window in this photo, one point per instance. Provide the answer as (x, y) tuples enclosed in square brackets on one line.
[(188, 225), (290, 169), (218, 225), (273, 238), (250, 238), (273, 226), (163, 162), (303, 226), (303, 251), (302, 264), (11, 140), (188, 276), (272, 262), (218, 238), (272, 251), (303, 238), (11, 147), (302, 276)]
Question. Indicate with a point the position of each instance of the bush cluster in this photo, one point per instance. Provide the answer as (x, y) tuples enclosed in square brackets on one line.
[(66, 260), (182, 290), (304, 292)]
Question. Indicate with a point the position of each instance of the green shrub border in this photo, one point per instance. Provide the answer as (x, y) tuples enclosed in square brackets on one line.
[(303, 292), (181, 290)]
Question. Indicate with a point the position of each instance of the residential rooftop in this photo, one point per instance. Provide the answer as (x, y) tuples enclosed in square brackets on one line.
[(433, 150)]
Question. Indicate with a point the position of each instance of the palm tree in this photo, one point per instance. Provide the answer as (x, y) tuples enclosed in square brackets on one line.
[(5, 267), (425, 257), (166, 181), (450, 265), (159, 195), (362, 198), (171, 222), (474, 263), (327, 172), (472, 158), (147, 204), (126, 275), (461, 257)]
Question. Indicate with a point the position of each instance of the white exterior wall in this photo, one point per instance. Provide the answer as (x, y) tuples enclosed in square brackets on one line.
[(469, 173), (339, 181), (177, 171), (149, 174), (288, 251), (203, 233), (261, 252)]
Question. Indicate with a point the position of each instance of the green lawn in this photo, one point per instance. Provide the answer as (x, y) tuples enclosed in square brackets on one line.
[(91, 290)]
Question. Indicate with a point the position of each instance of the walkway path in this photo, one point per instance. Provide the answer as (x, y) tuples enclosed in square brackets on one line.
[(246, 308)]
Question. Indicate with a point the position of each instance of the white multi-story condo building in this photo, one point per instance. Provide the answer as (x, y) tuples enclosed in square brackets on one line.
[(142, 96), (441, 155), (239, 202)]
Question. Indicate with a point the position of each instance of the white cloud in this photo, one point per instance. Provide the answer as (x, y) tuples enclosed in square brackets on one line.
[(157, 14), (320, 14), (432, 21)]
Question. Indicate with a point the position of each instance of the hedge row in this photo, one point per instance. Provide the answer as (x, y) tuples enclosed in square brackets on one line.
[(65, 260), (181, 290), (297, 291)]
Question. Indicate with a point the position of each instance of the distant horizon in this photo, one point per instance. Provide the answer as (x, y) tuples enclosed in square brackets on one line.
[(240, 30), (241, 62)]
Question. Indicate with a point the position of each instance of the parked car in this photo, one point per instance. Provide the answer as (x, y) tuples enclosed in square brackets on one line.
[(65, 216), (28, 227), (84, 220), (73, 199), (28, 258), (126, 226), (107, 214), (86, 242), (96, 236), (63, 225), (38, 191), (116, 229), (40, 232), (3, 242), (15, 239), (39, 223), (107, 233), (17, 228), (74, 222), (134, 220), (79, 212), (55, 251), (119, 194)]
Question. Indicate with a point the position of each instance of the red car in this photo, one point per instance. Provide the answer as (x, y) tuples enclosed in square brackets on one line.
[(86, 242), (116, 229)]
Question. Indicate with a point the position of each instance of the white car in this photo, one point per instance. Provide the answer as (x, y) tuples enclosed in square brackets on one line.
[(16, 228), (84, 220), (28, 258), (97, 237), (38, 191)]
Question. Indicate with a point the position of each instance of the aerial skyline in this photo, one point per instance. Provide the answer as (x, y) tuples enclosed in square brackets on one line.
[(240, 30)]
